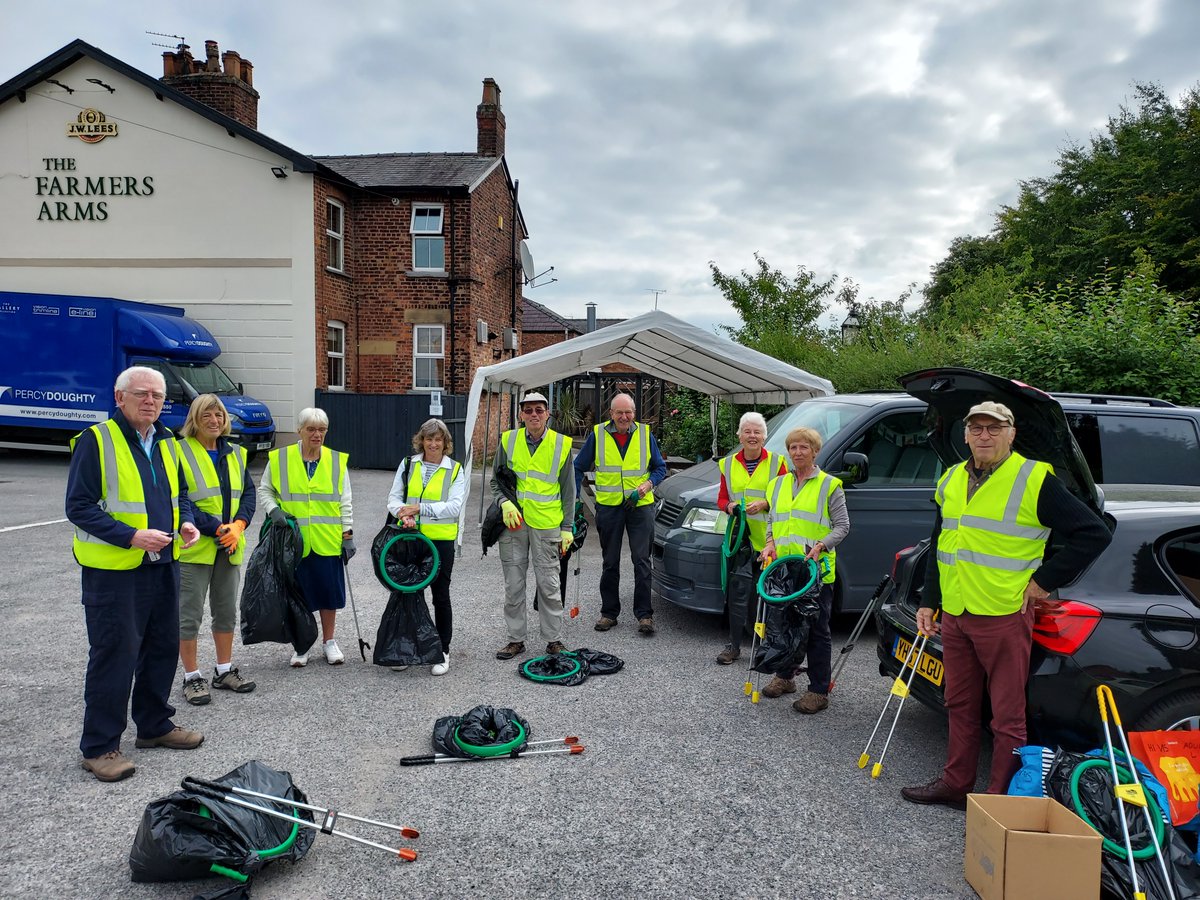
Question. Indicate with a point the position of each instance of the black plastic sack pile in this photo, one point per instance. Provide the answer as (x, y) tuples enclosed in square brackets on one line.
[(407, 635), (783, 647), (177, 842), (483, 732), (1099, 809), (273, 609), (409, 561), (571, 667)]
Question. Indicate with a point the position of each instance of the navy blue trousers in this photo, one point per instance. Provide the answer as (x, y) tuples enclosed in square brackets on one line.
[(820, 644), (613, 523), (133, 636)]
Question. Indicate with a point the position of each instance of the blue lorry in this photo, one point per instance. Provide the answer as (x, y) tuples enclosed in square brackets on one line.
[(62, 355)]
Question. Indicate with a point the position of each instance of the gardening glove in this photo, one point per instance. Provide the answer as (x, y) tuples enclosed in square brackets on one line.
[(278, 517), (348, 549), (565, 540), (229, 535), (512, 515)]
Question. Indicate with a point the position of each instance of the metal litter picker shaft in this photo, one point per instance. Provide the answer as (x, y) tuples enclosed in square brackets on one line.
[(363, 646), (435, 758)]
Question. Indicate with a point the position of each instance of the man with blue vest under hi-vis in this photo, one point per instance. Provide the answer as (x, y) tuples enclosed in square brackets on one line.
[(629, 467), (131, 515), (995, 514), (540, 457)]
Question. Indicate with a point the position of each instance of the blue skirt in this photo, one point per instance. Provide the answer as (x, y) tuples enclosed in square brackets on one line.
[(322, 581)]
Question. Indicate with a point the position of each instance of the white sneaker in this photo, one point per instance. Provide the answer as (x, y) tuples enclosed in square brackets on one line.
[(333, 655), (444, 666), (299, 660)]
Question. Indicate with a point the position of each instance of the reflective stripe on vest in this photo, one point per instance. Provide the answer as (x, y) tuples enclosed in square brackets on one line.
[(750, 488), (444, 529), (204, 490), (315, 503), (799, 520), (537, 475), (123, 497), (617, 476), (990, 545)]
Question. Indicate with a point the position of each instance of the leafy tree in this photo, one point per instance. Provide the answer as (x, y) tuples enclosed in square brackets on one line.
[(687, 427)]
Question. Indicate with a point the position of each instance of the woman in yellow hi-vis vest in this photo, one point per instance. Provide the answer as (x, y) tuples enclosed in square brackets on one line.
[(428, 490), (310, 483), (808, 518), (745, 476), (222, 493)]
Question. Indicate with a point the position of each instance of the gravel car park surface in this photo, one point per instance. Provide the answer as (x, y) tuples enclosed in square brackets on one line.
[(686, 789)]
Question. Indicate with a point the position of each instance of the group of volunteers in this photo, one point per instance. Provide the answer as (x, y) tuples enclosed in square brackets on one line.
[(160, 520)]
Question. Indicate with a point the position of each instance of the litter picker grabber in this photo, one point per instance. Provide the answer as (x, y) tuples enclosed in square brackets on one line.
[(214, 790), (1130, 793), (848, 647), (434, 758), (363, 646), (754, 678), (900, 688)]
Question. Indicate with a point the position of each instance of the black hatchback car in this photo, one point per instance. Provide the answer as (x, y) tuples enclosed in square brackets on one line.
[(1131, 620)]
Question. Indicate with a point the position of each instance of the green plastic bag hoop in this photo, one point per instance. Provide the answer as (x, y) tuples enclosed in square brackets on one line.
[(1118, 850), (814, 572), (532, 677), (732, 544), (269, 853), (408, 536), (487, 751)]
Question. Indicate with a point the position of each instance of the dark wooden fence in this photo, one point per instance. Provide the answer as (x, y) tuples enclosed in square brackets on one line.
[(377, 429)]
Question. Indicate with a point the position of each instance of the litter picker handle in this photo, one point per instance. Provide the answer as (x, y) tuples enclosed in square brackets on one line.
[(418, 760)]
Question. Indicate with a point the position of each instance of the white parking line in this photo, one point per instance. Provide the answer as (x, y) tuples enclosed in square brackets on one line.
[(31, 525)]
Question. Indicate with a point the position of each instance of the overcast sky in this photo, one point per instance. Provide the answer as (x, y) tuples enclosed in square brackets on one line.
[(650, 137)]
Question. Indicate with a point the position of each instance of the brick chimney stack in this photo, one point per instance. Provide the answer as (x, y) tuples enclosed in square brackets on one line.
[(490, 120), (229, 91)]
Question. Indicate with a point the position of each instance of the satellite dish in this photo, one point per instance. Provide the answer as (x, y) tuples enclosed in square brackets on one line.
[(527, 263)]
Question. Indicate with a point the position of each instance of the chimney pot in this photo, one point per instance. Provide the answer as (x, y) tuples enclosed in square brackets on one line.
[(591, 318), (168, 64), (231, 62), (212, 51), (248, 72)]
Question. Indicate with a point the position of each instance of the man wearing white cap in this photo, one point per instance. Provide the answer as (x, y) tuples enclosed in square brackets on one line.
[(995, 514), (540, 457)]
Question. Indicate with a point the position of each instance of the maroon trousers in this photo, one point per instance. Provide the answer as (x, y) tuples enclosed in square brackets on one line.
[(985, 653)]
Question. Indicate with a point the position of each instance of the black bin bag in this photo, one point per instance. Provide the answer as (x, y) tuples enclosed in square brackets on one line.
[(403, 559), (407, 635), (483, 732), (273, 609), (185, 835), (789, 588)]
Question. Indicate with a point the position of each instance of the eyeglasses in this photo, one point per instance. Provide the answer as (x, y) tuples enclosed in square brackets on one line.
[(142, 395), (534, 410), (993, 430)]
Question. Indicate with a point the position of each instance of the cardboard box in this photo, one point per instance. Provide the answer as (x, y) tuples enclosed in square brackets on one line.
[(1029, 848)]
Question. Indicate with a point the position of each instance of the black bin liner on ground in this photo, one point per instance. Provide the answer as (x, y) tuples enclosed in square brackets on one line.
[(407, 635), (482, 732), (570, 667), (176, 841), (272, 606)]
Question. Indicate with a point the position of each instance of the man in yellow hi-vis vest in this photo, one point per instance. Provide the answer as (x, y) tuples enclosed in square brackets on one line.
[(995, 514), (628, 467), (132, 515), (541, 459)]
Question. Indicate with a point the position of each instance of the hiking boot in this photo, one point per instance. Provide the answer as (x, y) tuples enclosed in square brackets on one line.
[(554, 648), (333, 653), (728, 655), (511, 649), (111, 766), (299, 660), (777, 686), (195, 691), (233, 681), (811, 702), (605, 623), (646, 625), (175, 739), (936, 793), (443, 667)]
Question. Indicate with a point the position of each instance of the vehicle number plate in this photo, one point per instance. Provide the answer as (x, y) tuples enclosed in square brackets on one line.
[(928, 667), (263, 445)]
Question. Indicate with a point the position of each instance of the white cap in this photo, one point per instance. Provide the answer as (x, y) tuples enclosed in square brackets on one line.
[(992, 410), (534, 397)]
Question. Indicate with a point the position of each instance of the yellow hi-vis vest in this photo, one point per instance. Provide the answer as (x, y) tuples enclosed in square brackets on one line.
[(798, 521), (204, 490), (990, 546), (537, 475), (123, 498), (436, 491), (616, 475), (750, 488), (315, 503)]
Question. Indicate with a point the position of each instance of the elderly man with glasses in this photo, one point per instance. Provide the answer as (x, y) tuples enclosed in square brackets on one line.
[(995, 515)]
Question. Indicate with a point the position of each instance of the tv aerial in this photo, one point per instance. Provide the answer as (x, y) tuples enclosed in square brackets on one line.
[(656, 292), (179, 37), (531, 273)]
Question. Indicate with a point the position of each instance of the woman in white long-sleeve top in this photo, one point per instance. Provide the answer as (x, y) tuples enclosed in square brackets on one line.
[(428, 491)]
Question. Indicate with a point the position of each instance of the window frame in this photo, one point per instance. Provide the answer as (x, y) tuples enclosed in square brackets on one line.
[(417, 355), (332, 235), (331, 355), (426, 234)]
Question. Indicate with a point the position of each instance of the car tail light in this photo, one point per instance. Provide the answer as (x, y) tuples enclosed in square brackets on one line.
[(1064, 627), (896, 561)]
